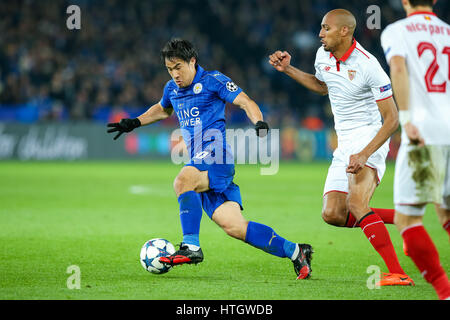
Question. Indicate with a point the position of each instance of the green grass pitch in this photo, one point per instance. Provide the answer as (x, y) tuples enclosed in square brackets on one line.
[(97, 215)]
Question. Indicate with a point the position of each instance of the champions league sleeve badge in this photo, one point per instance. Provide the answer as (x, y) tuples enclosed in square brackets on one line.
[(231, 86)]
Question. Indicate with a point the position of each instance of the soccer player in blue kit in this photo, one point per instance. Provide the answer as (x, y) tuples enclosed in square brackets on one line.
[(198, 98)]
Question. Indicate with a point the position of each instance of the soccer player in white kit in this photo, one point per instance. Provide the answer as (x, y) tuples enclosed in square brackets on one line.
[(417, 48), (360, 94)]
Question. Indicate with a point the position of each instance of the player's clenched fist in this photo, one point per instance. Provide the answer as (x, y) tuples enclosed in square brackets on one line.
[(413, 134), (261, 128), (280, 60), (356, 163)]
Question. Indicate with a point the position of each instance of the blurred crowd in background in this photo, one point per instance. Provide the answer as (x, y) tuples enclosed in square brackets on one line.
[(111, 68)]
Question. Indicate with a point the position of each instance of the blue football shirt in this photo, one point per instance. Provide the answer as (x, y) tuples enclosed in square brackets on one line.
[(200, 109)]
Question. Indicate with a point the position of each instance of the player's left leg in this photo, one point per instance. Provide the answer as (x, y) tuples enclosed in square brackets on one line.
[(229, 217), (421, 248), (361, 188)]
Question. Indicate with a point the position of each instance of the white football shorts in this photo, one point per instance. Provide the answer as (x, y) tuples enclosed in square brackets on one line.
[(422, 175), (351, 143)]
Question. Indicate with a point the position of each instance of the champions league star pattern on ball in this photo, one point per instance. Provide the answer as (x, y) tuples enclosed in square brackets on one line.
[(151, 251)]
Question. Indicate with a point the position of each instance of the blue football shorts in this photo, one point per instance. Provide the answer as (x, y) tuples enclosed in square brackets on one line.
[(221, 186)]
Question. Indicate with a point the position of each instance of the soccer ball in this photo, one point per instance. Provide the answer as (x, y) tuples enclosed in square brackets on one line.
[(151, 251)]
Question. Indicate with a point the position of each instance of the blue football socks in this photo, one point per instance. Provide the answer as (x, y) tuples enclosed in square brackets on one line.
[(258, 235), (190, 216), (265, 238)]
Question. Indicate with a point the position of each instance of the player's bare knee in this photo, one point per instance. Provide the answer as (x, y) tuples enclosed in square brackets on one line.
[(181, 184), (334, 216)]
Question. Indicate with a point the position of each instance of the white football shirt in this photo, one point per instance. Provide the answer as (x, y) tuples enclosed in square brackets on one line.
[(424, 41), (355, 83)]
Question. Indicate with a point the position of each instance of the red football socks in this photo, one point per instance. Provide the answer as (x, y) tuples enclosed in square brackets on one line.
[(422, 251), (375, 230), (387, 215)]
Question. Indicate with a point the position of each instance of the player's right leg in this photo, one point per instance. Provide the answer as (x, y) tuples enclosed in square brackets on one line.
[(187, 185)]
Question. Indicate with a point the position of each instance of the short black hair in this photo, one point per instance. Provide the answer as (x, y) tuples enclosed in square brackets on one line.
[(415, 3), (179, 48)]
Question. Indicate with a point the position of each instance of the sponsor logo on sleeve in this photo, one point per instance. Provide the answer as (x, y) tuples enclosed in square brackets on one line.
[(385, 88)]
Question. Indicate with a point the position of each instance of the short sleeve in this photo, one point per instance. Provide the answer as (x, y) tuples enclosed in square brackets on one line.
[(318, 75), (225, 88), (378, 80), (392, 43), (165, 101)]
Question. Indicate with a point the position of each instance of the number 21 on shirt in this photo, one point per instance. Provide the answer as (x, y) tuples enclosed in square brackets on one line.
[(434, 67)]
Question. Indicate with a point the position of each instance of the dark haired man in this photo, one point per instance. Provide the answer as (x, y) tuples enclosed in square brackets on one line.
[(417, 49), (198, 98), (360, 95)]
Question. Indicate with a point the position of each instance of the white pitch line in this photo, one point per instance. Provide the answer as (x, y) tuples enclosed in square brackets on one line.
[(153, 190)]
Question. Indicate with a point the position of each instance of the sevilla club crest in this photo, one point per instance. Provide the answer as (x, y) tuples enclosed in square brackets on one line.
[(351, 74)]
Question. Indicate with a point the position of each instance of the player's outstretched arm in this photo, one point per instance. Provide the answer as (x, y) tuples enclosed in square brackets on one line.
[(153, 114), (253, 113), (281, 61), (389, 112)]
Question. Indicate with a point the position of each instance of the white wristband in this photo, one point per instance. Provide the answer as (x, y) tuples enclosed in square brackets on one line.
[(404, 117)]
